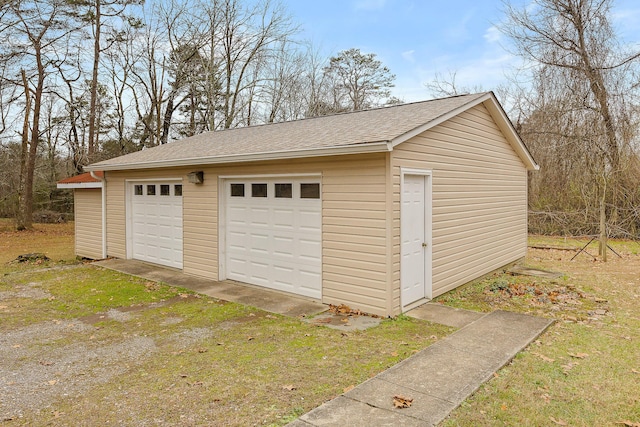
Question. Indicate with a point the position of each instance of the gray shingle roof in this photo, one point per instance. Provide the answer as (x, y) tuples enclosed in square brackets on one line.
[(280, 140)]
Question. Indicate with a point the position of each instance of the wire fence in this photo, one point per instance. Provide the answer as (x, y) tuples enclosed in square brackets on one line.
[(623, 224)]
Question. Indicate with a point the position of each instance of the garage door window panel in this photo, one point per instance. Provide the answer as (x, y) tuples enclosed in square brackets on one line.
[(309, 191), (237, 190), (284, 191), (151, 190), (259, 190)]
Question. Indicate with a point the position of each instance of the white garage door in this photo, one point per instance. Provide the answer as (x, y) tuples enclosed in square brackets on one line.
[(273, 233), (156, 222)]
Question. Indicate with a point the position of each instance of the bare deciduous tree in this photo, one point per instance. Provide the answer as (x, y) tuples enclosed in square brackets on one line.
[(30, 31), (579, 114)]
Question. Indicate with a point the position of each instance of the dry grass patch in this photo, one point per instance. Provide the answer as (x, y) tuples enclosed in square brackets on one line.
[(54, 240)]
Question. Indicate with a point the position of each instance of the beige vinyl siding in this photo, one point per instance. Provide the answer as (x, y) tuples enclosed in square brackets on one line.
[(354, 237), (355, 262), (114, 185), (88, 222), (479, 198), (200, 226)]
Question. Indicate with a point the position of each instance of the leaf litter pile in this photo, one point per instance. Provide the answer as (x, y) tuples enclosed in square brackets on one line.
[(540, 297)]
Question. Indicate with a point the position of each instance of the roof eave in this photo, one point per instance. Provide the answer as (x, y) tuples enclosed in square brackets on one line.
[(505, 125), (371, 147), (65, 185)]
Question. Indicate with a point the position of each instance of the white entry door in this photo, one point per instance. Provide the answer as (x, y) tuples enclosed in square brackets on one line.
[(156, 222), (415, 251), (273, 233)]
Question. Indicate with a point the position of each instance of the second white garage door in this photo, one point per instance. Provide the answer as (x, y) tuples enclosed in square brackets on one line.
[(273, 233)]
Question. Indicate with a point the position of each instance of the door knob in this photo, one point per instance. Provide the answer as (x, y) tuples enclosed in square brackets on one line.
[(424, 245)]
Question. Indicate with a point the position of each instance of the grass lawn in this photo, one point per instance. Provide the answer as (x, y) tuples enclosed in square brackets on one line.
[(85, 346), (585, 369)]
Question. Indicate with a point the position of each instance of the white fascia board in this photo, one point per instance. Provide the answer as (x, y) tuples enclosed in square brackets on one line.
[(79, 185), (370, 147)]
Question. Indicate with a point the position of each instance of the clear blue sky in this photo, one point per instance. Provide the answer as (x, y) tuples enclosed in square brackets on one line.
[(417, 38)]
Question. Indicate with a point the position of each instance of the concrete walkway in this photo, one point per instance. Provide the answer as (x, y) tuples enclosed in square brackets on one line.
[(438, 379), (228, 290), (449, 316)]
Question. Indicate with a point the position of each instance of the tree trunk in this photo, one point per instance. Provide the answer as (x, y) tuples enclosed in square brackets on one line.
[(27, 208), (94, 84), (166, 122), (21, 221), (603, 229)]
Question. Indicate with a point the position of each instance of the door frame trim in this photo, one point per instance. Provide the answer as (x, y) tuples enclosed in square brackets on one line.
[(427, 175)]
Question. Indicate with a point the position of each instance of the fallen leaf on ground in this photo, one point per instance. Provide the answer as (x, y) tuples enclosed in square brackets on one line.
[(569, 366), (289, 387), (635, 371), (578, 355), (400, 401), (45, 363), (52, 382), (503, 407), (250, 338), (202, 350), (349, 388), (543, 357), (394, 353), (628, 423), (559, 422)]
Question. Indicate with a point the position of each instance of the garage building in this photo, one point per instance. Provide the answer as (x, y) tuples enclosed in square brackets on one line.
[(380, 209)]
